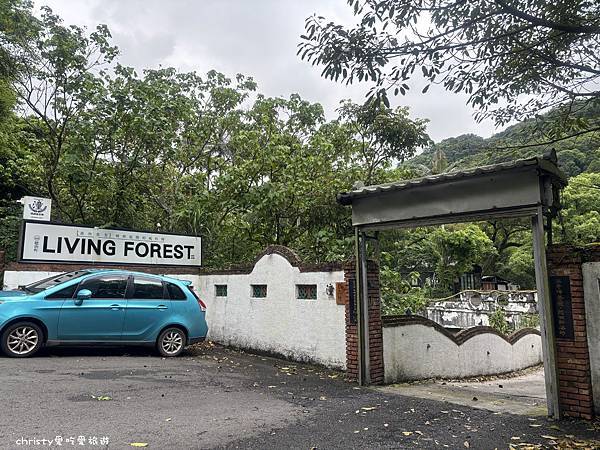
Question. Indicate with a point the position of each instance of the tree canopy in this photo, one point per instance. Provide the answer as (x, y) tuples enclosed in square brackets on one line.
[(513, 58)]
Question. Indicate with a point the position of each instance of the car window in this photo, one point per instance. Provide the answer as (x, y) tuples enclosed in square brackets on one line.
[(67, 292), (105, 286), (147, 289), (175, 292), (47, 283)]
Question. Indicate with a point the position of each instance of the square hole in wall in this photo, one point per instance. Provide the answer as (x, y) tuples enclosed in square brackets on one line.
[(306, 291), (258, 290), (221, 290)]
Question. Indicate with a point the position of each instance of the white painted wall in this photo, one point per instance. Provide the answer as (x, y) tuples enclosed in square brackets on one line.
[(14, 279), (416, 351), (304, 330), (473, 308), (591, 295)]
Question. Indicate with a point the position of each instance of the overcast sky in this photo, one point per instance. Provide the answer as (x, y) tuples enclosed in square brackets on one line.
[(252, 37)]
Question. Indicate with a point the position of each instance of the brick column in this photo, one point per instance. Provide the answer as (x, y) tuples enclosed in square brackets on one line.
[(375, 325), (573, 359)]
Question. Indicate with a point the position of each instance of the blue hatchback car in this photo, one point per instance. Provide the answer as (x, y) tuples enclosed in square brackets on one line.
[(101, 306)]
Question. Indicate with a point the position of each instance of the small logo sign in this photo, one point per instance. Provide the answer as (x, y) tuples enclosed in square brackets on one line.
[(36, 208)]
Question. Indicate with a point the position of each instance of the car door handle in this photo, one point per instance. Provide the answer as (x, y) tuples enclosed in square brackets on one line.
[(115, 307), (162, 307)]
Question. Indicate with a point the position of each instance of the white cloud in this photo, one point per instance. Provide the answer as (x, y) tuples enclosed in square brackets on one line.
[(254, 37)]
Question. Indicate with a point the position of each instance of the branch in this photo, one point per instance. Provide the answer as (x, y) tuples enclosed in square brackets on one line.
[(539, 21), (552, 141)]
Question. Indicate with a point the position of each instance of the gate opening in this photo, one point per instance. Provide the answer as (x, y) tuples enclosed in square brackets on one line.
[(522, 188)]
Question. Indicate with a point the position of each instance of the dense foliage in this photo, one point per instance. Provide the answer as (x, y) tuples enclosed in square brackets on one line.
[(513, 58), (179, 152)]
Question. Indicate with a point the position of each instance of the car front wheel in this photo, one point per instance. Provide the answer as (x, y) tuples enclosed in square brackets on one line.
[(22, 339), (171, 342)]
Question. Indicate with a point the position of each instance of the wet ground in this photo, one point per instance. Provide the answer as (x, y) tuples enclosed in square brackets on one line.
[(214, 397)]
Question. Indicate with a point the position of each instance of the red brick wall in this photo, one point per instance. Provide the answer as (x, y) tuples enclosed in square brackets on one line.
[(2, 264), (375, 327), (573, 360)]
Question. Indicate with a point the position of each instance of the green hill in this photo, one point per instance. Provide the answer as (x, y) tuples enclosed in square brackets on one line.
[(575, 155)]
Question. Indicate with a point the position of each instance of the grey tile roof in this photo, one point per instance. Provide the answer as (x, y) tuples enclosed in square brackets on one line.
[(546, 163)]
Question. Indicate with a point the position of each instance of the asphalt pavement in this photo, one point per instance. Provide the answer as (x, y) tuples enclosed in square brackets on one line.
[(213, 397)]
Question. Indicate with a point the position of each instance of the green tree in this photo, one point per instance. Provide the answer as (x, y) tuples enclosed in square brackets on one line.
[(581, 199), (17, 29), (456, 249), (381, 135), (498, 321), (594, 162), (58, 75), (399, 295), (281, 187), (513, 59), (506, 235), (517, 266), (19, 167), (572, 162)]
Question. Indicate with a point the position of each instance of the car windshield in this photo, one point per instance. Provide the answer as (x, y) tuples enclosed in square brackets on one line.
[(47, 283)]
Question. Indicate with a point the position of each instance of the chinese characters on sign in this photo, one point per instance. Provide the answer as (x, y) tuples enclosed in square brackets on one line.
[(352, 300), (560, 293)]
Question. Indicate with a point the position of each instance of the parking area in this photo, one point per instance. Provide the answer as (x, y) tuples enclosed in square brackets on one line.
[(214, 397)]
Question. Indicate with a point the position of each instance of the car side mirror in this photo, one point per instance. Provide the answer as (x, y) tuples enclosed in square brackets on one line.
[(83, 294)]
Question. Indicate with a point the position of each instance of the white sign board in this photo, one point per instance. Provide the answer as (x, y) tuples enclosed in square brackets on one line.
[(49, 242), (36, 208)]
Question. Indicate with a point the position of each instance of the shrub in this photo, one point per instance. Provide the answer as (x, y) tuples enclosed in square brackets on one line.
[(498, 321)]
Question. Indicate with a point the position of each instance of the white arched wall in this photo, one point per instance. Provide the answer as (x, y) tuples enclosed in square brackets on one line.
[(304, 330), (415, 348)]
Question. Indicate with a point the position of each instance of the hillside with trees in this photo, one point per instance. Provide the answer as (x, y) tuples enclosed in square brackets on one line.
[(575, 154)]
